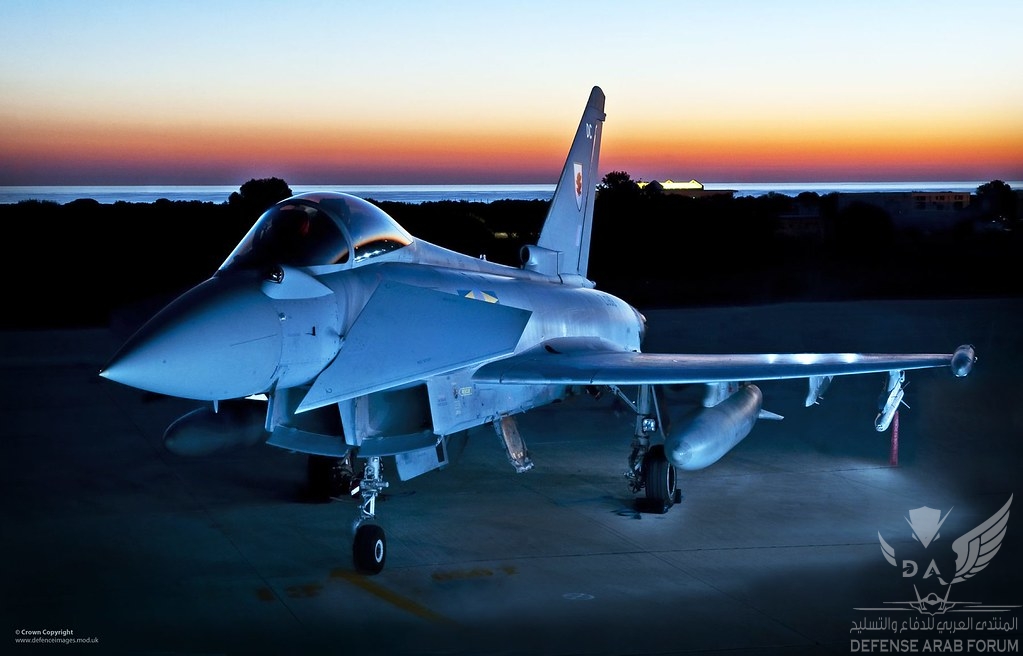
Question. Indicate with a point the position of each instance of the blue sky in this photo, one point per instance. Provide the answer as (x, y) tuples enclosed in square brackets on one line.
[(127, 92)]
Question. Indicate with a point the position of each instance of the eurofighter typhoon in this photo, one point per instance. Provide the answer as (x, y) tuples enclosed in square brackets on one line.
[(331, 331)]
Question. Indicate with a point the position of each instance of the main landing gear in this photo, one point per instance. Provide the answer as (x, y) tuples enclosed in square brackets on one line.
[(649, 469), (659, 481)]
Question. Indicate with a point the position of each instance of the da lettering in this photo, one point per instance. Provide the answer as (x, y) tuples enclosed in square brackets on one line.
[(910, 569)]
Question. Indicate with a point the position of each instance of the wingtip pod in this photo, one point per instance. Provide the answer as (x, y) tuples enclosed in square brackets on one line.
[(963, 360)]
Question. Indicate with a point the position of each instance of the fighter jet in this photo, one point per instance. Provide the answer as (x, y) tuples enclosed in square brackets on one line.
[(331, 331)]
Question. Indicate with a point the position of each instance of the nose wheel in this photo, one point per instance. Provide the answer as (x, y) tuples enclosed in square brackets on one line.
[(369, 550)]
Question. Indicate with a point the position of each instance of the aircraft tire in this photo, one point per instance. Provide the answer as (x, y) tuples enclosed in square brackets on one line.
[(659, 477), (369, 550)]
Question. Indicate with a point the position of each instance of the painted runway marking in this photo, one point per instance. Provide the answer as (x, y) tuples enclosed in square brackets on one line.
[(304, 590), (299, 591), (577, 596), (393, 598), (475, 573)]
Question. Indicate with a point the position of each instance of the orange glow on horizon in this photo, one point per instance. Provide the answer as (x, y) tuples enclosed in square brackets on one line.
[(835, 150), (324, 154), (379, 153)]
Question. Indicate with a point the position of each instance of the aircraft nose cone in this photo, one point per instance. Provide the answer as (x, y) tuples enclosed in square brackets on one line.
[(220, 340)]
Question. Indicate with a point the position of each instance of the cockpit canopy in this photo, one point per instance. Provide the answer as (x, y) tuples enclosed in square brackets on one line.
[(318, 228)]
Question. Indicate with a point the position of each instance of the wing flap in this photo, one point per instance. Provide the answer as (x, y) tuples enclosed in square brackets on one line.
[(407, 333), (576, 361)]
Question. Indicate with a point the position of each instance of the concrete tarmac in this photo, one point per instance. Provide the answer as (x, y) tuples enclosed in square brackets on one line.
[(773, 550)]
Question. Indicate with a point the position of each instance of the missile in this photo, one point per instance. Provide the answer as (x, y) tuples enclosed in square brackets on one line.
[(713, 432), (818, 385), (203, 432), (890, 400)]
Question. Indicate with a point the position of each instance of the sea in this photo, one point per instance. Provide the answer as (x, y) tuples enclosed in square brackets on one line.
[(428, 193)]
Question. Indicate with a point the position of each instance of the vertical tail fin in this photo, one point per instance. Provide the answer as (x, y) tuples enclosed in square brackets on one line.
[(564, 244)]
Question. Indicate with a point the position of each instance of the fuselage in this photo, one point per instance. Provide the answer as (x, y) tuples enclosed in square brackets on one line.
[(259, 327)]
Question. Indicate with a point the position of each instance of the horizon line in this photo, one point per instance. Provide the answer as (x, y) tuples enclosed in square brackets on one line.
[(468, 185)]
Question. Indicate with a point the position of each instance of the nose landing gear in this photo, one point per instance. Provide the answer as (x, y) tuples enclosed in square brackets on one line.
[(369, 548)]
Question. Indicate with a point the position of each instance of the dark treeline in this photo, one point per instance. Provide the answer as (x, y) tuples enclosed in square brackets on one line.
[(85, 264), (659, 249)]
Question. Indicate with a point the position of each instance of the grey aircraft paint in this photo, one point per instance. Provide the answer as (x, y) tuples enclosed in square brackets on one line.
[(363, 342)]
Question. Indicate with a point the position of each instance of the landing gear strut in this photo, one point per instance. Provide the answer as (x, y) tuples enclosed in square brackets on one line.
[(369, 548)]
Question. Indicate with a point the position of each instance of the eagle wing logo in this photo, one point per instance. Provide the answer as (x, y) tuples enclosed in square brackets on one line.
[(887, 550), (975, 549)]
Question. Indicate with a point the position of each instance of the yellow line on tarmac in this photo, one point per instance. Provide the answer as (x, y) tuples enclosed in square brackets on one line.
[(393, 598)]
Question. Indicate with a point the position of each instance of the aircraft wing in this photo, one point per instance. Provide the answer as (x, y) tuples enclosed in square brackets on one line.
[(385, 349), (582, 361)]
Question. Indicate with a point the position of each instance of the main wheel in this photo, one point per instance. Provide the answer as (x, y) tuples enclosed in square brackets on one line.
[(659, 477), (369, 550)]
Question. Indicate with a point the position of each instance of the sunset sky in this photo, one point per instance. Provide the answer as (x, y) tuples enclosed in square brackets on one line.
[(321, 92)]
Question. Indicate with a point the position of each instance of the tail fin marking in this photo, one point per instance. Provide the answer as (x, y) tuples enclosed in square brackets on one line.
[(569, 221)]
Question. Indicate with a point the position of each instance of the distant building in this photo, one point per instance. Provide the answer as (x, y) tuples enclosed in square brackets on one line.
[(693, 188), (930, 211), (692, 185), (803, 220), (940, 201)]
